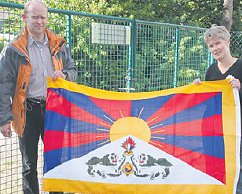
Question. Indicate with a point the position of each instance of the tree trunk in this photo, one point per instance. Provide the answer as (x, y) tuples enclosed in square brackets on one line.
[(227, 20)]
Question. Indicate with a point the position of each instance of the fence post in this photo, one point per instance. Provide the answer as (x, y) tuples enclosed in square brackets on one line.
[(210, 59), (132, 54), (68, 30), (176, 57)]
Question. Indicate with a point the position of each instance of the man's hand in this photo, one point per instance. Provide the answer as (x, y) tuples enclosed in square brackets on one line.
[(57, 74), (6, 130)]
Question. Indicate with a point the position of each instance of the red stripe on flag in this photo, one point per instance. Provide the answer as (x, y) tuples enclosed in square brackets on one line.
[(210, 165), (177, 103), (64, 107), (63, 139), (211, 126), (123, 107)]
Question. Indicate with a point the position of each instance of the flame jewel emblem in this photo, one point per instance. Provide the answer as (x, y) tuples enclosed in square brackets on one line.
[(128, 145)]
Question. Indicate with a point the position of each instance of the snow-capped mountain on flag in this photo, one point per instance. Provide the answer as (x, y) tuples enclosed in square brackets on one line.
[(143, 164)]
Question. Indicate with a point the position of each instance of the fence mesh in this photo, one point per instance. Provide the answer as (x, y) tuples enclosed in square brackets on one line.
[(112, 53)]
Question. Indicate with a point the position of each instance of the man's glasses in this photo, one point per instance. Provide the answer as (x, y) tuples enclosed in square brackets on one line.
[(38, 17)]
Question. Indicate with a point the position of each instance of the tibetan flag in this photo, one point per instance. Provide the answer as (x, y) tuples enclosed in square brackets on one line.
[(183, 140)]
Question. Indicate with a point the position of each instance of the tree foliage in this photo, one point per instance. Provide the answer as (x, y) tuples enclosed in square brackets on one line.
[(187, 12)]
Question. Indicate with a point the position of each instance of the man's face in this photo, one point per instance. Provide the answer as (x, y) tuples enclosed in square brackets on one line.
[(35, 19)]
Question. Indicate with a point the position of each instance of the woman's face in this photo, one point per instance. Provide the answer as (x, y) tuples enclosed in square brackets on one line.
[(219, 48)]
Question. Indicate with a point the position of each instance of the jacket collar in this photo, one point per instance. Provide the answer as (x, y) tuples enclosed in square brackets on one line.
[(56, 42)]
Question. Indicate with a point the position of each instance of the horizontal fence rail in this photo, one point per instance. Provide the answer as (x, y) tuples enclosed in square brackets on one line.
[(112, 53)]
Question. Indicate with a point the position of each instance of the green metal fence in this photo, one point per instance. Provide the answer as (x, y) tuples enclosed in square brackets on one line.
[(113, 53)]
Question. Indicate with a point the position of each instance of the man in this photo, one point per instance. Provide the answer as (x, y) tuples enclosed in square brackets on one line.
[(24, 66)]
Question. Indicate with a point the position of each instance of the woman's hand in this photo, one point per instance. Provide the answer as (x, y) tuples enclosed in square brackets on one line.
[(235, 83), (197, 81)]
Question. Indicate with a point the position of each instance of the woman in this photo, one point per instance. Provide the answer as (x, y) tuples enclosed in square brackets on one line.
[(217, 39)]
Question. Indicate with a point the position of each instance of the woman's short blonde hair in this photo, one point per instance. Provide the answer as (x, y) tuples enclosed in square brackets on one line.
[(216, 32)]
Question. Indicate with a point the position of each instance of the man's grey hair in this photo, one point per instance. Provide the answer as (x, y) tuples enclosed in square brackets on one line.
[(29, 3)]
